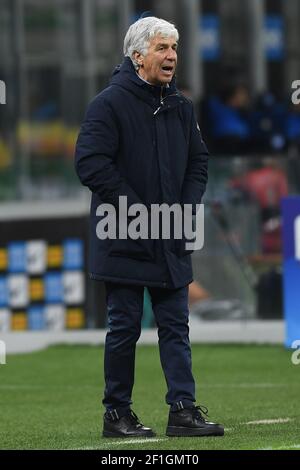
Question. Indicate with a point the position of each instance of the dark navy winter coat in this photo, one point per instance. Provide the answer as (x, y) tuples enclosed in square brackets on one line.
[(143, 142)]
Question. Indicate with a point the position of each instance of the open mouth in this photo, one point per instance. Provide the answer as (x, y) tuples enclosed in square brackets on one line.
[(167, 68)]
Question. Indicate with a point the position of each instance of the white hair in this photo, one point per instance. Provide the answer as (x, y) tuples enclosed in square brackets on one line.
[(139, 34)]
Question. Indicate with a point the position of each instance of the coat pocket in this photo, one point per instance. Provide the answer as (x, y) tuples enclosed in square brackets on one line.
[(180, 248), (180, 244)]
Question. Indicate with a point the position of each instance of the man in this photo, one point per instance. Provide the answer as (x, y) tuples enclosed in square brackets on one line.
[(140, 139)]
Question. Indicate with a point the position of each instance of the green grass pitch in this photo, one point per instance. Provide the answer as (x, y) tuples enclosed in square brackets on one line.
[(51, 399)]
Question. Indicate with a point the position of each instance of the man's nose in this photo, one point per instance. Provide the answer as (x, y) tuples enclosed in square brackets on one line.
[(171, 54)]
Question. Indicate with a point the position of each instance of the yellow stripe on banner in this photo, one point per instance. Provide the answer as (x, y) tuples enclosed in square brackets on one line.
[(55, 256), (3, 259), (19, 321), (36, 288), (75, 318)]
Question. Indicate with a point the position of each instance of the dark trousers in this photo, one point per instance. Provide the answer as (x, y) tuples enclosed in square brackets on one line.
[(124, 310)]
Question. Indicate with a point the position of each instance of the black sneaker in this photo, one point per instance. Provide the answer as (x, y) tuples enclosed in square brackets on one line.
[(126, 426), (189, 422)]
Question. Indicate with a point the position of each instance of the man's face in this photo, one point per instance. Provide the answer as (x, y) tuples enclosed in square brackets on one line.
[(158, 66)]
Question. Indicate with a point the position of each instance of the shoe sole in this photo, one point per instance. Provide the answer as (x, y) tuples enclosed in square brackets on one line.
[(115, 434), (176, 431)]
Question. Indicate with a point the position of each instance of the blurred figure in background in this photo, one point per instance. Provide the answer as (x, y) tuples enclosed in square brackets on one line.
[(292, 124), (267, 124), (266, 185), (228, 118), (197, 293)]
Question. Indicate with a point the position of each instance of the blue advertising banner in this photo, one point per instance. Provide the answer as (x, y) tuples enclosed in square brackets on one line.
[(210, 37), (291, 267), (274, 37)]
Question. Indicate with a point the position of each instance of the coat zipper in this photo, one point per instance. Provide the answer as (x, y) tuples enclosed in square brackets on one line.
[(162, 100)]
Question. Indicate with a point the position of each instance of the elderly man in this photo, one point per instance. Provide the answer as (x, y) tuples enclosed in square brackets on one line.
[(140, 140)]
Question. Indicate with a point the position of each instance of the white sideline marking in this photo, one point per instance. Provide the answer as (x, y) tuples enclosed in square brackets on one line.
[(270, 421), (135, 441), (292, 446), (124, 441), (262, 421)]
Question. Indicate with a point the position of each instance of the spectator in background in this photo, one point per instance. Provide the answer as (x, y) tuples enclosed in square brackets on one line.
[(292, 124), (266, 185), (233, 124), (197, 293), (228, 118), (292, 134), (267, 124)]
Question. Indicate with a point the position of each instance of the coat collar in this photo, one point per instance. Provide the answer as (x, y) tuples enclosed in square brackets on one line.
[(125, 76)]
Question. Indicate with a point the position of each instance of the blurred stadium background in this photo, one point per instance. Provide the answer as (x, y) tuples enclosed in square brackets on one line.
[(237, 61)]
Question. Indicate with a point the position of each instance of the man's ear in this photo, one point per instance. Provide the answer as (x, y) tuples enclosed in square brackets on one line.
[(139, 58)]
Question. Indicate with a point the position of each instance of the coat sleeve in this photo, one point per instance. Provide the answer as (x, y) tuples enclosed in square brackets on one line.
[(195, 179), (95, 155)]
